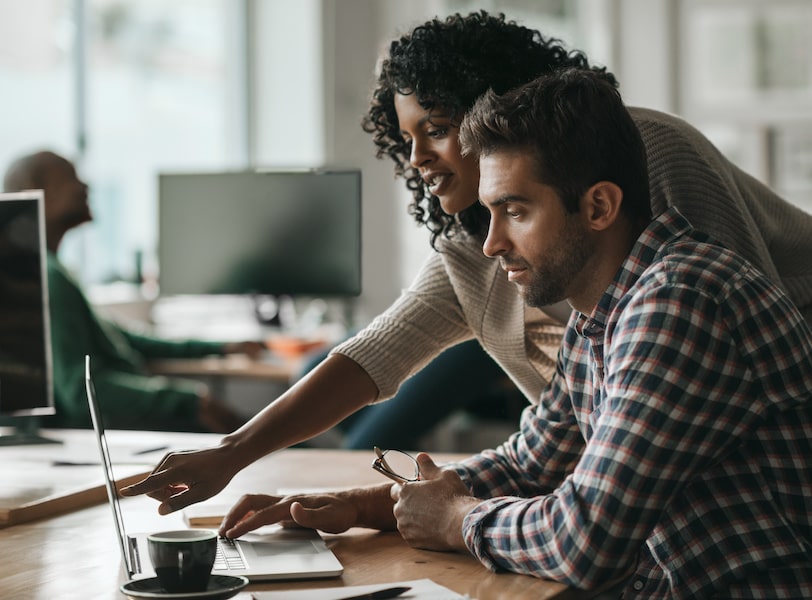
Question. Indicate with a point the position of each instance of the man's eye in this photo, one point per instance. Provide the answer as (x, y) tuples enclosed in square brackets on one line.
[(439, 132)]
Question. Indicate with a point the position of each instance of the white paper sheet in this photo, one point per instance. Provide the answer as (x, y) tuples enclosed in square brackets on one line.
[(422, 589)]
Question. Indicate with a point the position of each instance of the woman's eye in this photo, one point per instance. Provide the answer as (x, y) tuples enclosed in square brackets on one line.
[(439, 132)]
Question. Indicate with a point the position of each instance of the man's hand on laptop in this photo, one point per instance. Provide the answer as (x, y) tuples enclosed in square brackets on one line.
[(331, 512)]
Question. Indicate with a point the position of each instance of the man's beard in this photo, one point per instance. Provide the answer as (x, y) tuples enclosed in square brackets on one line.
[(551, 280)]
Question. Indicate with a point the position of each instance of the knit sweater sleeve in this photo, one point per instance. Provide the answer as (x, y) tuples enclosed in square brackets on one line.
[(423, 321), (687, 171)]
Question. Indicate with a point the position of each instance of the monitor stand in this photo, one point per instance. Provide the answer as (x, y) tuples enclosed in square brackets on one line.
[(25, 432)]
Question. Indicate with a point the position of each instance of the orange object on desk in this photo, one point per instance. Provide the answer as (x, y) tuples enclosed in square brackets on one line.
[(293, 346)]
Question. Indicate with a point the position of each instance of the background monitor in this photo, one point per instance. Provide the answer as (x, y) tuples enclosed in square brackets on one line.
[(26, 375), (294, 233)]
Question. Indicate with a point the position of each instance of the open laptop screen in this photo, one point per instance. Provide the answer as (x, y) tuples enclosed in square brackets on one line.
[(107, 464)]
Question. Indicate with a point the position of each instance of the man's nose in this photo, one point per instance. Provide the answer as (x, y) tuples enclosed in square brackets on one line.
[(495, 243)]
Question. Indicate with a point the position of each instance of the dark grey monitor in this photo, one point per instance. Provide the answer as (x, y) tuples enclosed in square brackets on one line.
[(294, 233), (26, 374)]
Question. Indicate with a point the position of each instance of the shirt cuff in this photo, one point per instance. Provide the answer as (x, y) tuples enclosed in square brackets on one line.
[(473, 532)]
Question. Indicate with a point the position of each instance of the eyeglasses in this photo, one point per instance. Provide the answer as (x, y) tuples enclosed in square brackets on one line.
[(397, 465)]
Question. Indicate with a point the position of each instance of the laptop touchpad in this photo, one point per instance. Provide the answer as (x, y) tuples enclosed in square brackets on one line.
[(284, 547)]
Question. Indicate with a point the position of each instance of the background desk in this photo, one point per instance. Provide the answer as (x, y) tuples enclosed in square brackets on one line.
[(75, 555), (280, 370), (244, 385)]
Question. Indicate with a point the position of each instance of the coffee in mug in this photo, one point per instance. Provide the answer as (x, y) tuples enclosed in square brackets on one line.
[(183, 559)]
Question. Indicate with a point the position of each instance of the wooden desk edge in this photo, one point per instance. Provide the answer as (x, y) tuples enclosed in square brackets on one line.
[(63, 502)]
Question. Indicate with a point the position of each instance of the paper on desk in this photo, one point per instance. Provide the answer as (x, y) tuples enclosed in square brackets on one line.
[(423, 589), (205, 514)]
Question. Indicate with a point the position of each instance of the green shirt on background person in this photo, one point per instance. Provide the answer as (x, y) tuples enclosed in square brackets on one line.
[(129, 396)]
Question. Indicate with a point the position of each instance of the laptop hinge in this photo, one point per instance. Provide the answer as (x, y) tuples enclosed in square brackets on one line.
[(134, 556)]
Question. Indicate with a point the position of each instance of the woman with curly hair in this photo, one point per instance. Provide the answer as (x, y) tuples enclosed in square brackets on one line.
[(428, 81), (446, 65)]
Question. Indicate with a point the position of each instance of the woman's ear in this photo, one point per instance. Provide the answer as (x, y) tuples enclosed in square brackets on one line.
[(601, 204)]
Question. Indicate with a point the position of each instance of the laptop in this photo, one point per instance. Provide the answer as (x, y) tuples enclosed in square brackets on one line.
[(281, 554)]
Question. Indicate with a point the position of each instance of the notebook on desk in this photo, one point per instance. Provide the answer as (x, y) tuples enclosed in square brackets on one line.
[(282, 554)]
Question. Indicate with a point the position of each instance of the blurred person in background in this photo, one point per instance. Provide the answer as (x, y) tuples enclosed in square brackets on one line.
[(130, 397)]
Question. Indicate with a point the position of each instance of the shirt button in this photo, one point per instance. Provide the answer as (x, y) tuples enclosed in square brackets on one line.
[(638, 585)]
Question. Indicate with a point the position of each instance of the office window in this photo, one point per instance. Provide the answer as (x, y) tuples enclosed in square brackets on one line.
[(746, 80), (578, 24), (128, 89), (36, 77)]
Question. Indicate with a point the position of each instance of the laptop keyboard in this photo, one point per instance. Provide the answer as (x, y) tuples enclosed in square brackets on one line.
[(228, 556)]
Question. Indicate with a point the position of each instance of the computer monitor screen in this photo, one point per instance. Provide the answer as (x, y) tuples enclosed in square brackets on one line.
[(26, 388), (294, 233)]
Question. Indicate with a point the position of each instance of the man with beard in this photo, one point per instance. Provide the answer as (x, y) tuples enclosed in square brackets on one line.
[(670, 441), (133, 399)]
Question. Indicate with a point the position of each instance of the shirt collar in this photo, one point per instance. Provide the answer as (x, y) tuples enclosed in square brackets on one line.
[(669, 225)]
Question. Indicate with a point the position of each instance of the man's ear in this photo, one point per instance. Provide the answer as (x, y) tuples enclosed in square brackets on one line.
[(601, 204)]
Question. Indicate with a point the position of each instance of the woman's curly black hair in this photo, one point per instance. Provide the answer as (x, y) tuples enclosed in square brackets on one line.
[(448, 64)]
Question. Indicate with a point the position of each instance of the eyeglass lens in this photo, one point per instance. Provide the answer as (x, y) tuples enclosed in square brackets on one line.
[(400, 463)]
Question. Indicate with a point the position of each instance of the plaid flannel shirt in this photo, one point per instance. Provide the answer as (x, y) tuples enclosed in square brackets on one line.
[(675, 438)]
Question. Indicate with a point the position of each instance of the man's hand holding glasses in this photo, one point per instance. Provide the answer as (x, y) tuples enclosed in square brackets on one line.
[(430, 503), (399, 466)]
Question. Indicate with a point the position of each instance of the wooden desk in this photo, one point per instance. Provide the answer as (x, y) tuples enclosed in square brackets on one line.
[(273, 374), (76, 555), (277, 369), (43, 480)]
